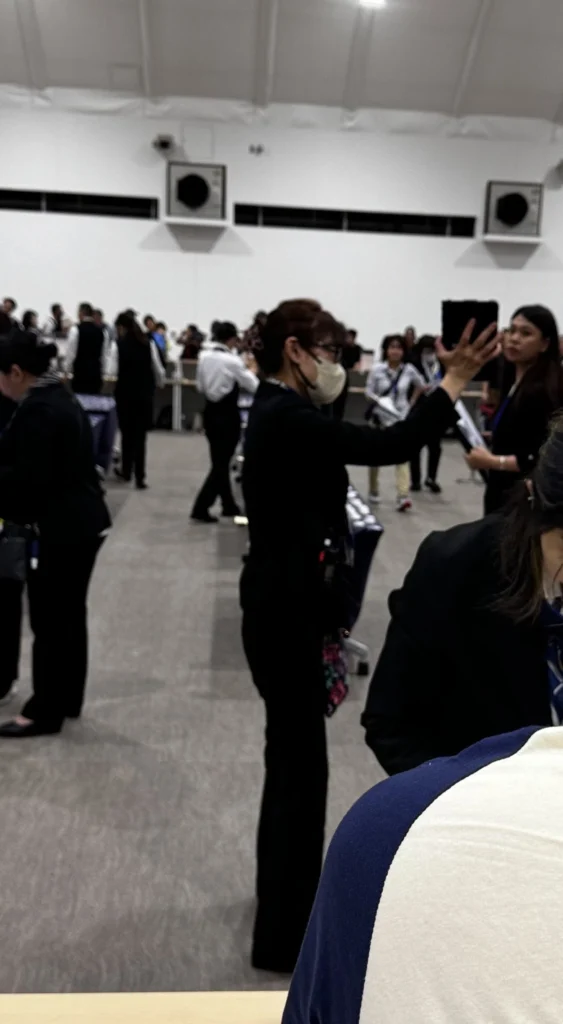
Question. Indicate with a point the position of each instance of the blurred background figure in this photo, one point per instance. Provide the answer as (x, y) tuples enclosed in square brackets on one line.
[(425, 360), (393, 386), (87, 353), (139, 371), (350, 359), (410, 338), (30, 320), (221, 374)]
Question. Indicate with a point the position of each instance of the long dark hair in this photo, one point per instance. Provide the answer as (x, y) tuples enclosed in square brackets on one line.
[(545, 376), (130, 324), (535, 508)]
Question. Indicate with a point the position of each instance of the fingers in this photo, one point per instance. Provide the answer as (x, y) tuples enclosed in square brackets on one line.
[(440, 350), (466, 336), (491, 350), (485, 337)]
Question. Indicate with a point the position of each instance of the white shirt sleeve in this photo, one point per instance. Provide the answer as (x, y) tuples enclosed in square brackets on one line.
[(244, 377), (157, 367), (372, 382), (416, 378), (71, 350), (112, 362)]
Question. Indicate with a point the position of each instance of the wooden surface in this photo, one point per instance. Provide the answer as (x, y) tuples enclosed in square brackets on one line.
[(155, 1008)]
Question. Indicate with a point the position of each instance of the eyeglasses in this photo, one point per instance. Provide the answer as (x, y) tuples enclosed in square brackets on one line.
[(327, 346)]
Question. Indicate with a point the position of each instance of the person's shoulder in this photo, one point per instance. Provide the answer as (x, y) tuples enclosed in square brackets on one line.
[(379, 822), (464, 546)]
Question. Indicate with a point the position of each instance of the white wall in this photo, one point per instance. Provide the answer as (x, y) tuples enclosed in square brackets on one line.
[(378, 283)]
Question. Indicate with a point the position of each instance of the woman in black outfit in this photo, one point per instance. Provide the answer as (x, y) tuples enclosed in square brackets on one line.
[(139, 370), (520, 426), (474, 648), (295, 485), (48, 481)]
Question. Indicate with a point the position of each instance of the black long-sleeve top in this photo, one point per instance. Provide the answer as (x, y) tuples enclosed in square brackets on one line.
[(454, 669), (47, 473), (295, 483), (521, 429)]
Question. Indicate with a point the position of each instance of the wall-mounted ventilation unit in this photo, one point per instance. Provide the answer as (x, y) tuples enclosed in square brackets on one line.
[(513, 212), (197, 194)]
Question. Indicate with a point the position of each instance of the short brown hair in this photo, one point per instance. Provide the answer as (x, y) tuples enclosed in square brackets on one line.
[(303, 319)]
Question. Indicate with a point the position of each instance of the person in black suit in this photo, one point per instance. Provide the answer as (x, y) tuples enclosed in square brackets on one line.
[(139, 371), (520, 425), (48, 479), (474, 647), (87, 353), (292, 591)]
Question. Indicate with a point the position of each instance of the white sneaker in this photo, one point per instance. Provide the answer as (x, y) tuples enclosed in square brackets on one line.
[(374, 499), (404, 504)]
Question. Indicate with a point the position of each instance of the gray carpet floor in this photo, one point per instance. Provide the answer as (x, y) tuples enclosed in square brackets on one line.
[(127, 853)]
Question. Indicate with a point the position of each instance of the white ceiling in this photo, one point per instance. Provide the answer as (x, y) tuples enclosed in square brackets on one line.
[(461, 57)]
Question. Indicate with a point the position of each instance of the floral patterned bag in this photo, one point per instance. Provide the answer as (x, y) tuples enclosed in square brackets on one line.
[(335, 671)]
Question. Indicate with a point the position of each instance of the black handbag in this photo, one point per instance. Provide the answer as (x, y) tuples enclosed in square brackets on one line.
[(14, 542)]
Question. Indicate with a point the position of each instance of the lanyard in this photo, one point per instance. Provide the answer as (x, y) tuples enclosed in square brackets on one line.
[(502, 408)]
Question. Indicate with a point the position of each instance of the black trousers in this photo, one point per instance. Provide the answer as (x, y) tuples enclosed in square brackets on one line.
[(287, 670), (222, 429), (11, 602), (57, 593), (135, 418), (434, 456)]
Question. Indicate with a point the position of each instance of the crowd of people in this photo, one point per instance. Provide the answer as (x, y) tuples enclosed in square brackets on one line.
[(474, 649)]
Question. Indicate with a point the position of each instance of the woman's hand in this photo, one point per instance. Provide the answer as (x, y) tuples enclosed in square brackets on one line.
[(466, 359), (480, 458)]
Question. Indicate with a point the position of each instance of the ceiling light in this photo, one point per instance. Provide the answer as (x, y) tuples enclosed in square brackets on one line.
[(373, 3)]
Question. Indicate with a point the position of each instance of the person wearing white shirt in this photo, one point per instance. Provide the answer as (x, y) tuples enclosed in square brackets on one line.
[(393, 385), (221, 373), (87, 353)]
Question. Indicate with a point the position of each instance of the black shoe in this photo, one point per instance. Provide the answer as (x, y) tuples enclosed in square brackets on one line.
[(142, 485), (416, 488), (205, 517), (12, 730), (433, 486)]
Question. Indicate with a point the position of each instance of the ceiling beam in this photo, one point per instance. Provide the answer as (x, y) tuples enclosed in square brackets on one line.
[(265, 62), (32, 45), (146, 60), (360, 49), (471, 54)]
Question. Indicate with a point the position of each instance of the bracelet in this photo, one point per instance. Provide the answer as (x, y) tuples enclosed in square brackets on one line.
[(502, 462)]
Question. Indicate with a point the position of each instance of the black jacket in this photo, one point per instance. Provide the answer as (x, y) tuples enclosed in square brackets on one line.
[(295, 484), (521, 430), (453, 670), (47, 471), (88, 369), (135, 375)]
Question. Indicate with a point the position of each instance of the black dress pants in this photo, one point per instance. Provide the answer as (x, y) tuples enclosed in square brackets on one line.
[(287, 670), (434, 456), (11, 601), (134, 417), (57, 593), (222, 429)]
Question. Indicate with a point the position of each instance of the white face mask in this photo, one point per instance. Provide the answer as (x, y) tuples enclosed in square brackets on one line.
[(329, 385)]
